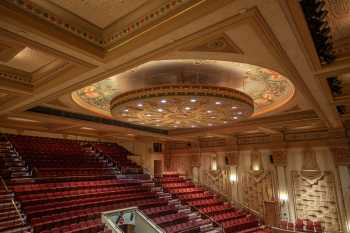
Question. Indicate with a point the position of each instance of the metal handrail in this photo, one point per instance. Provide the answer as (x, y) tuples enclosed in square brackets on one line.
[(211, 219), (233, 201), (13, 201)]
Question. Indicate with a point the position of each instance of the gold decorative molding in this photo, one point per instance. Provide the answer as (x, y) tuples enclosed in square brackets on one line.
[(104, 38), (15, 75), (219, 43)]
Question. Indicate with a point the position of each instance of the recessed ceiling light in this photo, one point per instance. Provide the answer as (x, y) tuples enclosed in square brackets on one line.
[(193, 126), (234, 107), (209, 111), (225, 122), (163, 101), (213, 117), (175, 126), (210, 124), (187, 108), (142, 123), (157, 120), (217, 102), (193, 100), (235, 118), (157, 125), (130, 134), (126, 110), (160, 110), (22, 119), (139, 105), (87, 128), (239, 113), (148, 115)]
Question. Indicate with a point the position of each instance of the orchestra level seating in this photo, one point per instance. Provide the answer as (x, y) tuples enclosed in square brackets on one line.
[(210, 206)]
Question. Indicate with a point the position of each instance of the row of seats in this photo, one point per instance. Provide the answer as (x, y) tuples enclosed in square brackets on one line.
[(75, 203), (303, 225), (119, 155), (208, 204)]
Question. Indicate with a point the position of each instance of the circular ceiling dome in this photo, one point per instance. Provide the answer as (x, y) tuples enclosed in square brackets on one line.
[(182, 106), (268, 89)]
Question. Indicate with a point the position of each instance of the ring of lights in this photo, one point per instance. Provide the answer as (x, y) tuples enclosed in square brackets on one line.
[(182, 106)]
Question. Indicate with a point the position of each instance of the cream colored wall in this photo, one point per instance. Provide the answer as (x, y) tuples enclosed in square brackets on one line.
[(294, 162)]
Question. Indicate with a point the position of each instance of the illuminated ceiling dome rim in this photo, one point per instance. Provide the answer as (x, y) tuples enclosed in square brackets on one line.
[(182, 90), (182, 106)]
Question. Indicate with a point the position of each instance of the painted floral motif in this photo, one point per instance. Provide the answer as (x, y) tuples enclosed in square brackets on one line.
[(267, 88)]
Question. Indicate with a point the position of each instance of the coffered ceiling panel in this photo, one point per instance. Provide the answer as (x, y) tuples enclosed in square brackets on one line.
[(29, 60), (100, 12)]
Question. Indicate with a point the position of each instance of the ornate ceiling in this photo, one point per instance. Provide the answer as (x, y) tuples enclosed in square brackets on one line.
[(269, 90), (102, 13), (76, 44)]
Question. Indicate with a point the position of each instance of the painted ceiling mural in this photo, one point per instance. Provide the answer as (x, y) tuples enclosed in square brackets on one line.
[(267, 88)]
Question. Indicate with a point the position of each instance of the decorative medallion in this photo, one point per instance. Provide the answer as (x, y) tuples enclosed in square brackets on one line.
[(182, 106)]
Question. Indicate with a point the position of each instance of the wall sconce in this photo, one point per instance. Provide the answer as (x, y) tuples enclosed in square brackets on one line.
[(283, 198), (233, 178), (256, 167), (214, 165)]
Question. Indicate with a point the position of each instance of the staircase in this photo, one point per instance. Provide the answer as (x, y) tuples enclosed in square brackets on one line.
[(11, 163), (11, 219), (192, 215)]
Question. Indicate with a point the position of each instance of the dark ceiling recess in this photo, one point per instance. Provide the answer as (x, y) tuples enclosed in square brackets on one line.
[(315, 15), (95, 119), (335, 85)]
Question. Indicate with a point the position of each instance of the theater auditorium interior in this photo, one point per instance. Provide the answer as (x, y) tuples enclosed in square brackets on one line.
[(174, 116)]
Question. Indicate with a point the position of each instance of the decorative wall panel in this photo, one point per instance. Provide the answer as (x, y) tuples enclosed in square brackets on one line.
[(181, 164), (257, 187), (315, 198)]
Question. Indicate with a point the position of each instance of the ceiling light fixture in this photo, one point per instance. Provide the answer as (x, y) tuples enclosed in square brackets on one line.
[(87, 128), (22, 119), (139, 105), (235, 118), (175, 103)]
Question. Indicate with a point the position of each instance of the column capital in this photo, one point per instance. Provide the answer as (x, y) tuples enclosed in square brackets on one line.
[(280, 157), (232, 158), (341, 155)]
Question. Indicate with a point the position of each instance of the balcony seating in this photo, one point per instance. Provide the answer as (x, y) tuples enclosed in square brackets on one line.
[(72, 187), (119, 155)]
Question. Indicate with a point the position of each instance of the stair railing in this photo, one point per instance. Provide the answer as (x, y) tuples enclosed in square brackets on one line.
[(13, 201)]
